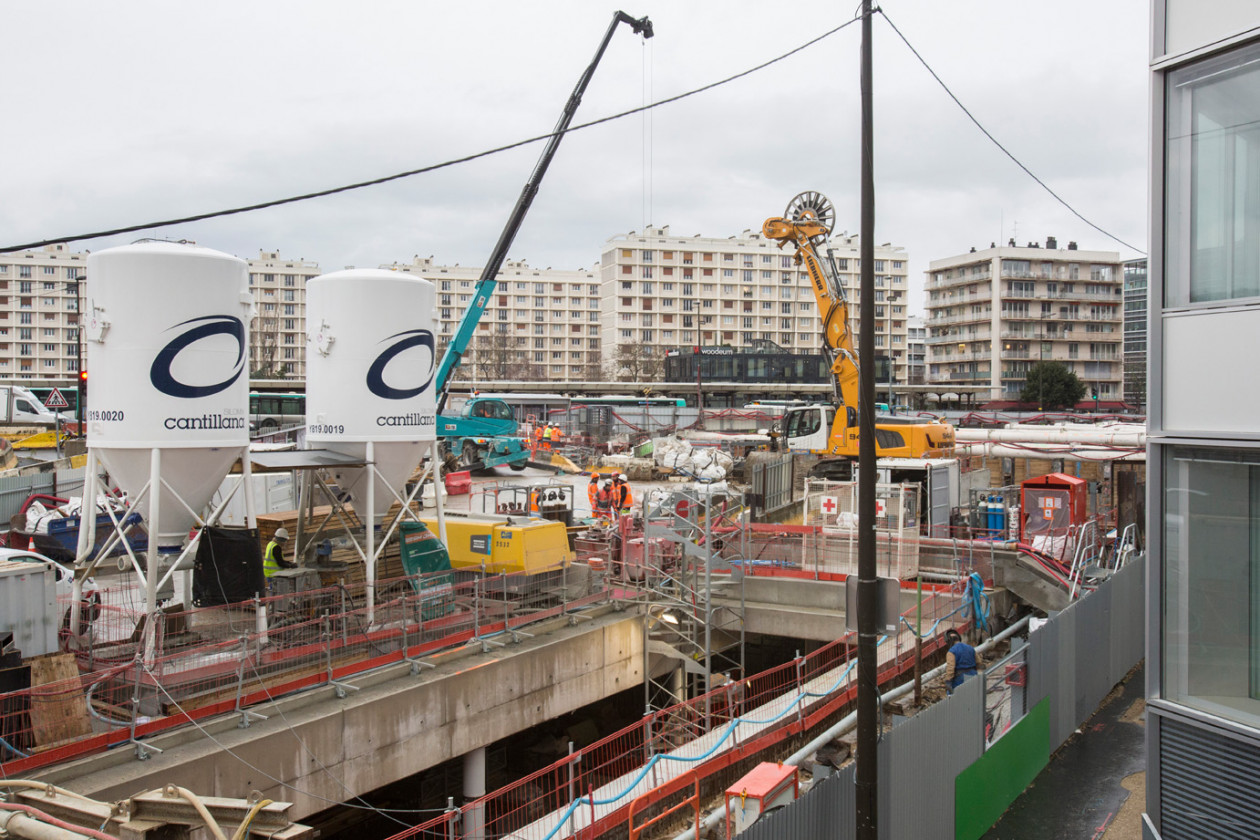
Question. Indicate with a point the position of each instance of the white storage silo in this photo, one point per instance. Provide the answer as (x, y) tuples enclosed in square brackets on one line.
[(370, 366), (167, 340)]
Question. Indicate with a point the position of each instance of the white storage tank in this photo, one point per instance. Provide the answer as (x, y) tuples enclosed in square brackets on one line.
[(167, 342), (370, 364)]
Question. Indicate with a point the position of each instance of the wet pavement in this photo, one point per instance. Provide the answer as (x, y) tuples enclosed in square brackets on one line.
[(1094, 786)]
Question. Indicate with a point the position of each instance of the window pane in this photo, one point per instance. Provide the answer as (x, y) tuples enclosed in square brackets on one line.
[(1213, 212), (1212, 581)]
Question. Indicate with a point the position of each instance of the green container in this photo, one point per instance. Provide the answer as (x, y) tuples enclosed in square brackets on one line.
[(643, 450), (423, 554)]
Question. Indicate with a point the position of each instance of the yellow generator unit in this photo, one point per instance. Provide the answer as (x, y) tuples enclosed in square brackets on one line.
[(509, 544)]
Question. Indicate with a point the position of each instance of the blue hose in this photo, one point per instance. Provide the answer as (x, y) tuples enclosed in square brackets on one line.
[(976, 604)]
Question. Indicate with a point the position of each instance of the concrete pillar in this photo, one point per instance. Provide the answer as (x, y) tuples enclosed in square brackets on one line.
[(474, 822)]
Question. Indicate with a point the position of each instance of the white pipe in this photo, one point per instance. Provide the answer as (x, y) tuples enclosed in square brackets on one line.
[(247, 480), (1051, 451), (850, 720), (1120, 434), (435, 458), (151, 561), (369, 521)]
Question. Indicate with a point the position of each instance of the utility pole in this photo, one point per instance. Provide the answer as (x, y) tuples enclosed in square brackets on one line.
[(868, 583), (699, 390)]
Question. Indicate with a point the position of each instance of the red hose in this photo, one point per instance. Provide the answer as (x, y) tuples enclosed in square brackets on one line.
[(51, 820)]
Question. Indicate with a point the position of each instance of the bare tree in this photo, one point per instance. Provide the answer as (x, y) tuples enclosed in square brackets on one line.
[(497, 356), (636, 363), (266, 328), (593, 370)]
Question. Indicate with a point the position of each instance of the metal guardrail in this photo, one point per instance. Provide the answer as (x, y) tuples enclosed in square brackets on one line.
[(228, 658)]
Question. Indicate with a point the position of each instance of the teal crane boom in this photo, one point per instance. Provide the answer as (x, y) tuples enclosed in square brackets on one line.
[(459, 342)]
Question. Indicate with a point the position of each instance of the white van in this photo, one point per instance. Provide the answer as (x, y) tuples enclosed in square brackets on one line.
[(18, 405)]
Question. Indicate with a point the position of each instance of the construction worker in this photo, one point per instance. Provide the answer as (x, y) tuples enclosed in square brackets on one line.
[(592, 492), (556, 436), (273, 556), (961, 660), (604, 501), (622, 496), (538, 436), (546, 437)]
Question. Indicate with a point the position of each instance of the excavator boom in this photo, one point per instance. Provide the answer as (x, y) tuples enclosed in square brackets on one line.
[(833, 431)]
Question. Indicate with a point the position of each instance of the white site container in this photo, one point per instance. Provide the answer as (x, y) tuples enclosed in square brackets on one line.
[(370, 365), (28, 606), (167, 342)]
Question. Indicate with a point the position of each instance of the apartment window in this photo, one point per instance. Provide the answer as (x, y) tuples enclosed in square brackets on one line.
[(24, 271), (1212, 209), (1211, 581), (48, 269)]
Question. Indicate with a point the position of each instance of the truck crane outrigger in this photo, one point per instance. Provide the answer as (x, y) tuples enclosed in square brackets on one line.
[(485, 433), (832, 430)]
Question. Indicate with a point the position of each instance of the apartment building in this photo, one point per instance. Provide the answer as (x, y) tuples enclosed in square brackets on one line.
[(993, 314), (661, 291), (1135, 333), (277, 339), (540, 324), (1203, 413), (40, 294), (916, 344)]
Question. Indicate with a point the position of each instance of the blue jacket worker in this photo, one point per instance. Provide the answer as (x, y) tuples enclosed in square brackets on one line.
[(961, 660)]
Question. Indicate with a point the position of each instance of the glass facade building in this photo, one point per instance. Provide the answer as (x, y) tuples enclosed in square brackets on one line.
[(1203, 607)]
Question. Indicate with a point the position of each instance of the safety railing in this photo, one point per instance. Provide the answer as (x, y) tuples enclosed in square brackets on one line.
[(601, 787), (211, 660)]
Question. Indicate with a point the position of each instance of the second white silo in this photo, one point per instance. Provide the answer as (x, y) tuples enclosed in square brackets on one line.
[(370, 365)]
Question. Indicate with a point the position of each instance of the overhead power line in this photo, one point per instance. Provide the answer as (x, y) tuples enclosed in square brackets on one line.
[(249, 208), (995, 142)]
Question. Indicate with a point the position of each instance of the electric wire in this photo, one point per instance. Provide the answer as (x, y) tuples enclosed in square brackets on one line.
[(210, 736), (425, 169), (995, 142)]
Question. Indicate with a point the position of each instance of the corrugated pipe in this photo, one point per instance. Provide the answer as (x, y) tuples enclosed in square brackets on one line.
[(850, 720)]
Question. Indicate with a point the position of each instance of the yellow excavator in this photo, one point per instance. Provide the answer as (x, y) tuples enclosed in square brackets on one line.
[(831, 430)]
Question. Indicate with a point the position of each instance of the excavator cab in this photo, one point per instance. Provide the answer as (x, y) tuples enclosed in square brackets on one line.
[(811, 428)]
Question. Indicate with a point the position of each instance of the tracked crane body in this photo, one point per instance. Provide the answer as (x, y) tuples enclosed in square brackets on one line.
[(832, 430)]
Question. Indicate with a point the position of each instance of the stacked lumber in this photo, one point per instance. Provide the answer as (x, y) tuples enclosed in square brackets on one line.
[(344, 565)]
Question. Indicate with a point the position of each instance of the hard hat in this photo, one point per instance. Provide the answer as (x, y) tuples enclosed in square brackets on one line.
[(282, 534), (624, 477), (605, 483)]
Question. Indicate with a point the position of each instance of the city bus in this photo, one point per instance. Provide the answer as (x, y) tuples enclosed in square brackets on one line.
[(269, 412)]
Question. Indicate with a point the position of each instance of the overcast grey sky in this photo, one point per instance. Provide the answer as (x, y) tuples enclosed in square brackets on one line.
[(126, 112)]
